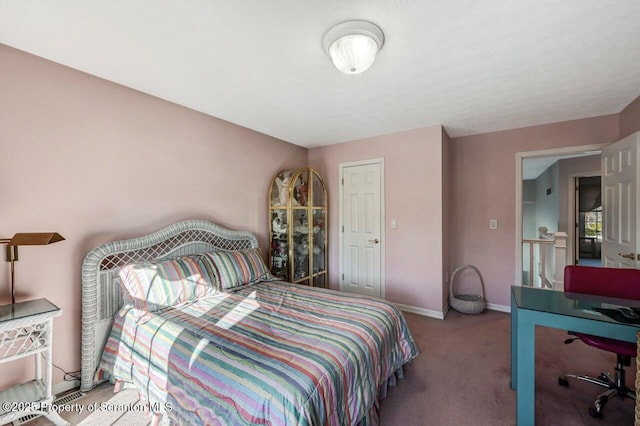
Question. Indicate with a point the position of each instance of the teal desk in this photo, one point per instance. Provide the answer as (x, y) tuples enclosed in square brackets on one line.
[(533, 306)]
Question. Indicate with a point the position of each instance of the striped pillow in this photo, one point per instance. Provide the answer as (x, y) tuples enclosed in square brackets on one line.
[(157, 285), (239, 268)]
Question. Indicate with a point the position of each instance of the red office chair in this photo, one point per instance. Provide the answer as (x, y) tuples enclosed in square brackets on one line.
[(610, 282)]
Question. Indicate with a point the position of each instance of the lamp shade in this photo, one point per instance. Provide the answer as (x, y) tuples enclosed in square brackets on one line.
[(353, 45), (35, 239), (26, 239)]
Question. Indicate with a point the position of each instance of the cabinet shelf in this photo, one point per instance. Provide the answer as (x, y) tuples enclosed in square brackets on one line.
[(298, 227)]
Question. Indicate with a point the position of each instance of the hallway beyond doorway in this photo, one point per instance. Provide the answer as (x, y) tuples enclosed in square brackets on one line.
[(589, 262)]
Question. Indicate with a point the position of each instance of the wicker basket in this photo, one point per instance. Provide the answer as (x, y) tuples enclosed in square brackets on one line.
[(467, 303)]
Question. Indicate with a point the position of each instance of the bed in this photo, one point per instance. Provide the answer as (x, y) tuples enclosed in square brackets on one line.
[(221, 342)]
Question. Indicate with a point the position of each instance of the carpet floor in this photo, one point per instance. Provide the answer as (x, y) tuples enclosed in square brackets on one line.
[(461, 377)]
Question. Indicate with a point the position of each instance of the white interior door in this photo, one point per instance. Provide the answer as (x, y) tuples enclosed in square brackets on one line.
[(620, 203), (362, 228)]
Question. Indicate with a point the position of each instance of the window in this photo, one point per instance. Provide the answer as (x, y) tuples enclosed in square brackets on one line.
[(593, 223)]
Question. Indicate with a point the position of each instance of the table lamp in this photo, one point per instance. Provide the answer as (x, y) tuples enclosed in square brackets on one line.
[(26, 239)]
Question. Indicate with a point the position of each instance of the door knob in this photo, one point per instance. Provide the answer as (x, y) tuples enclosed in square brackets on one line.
[(631, 256), (374, 241)]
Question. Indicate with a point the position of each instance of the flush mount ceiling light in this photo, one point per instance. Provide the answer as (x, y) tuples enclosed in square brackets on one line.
[(353, 45)]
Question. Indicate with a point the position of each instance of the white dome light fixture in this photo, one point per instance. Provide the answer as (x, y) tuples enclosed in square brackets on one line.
[(353, 45)]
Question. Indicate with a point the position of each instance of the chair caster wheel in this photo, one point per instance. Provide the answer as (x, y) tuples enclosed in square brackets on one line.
[(595, 414), (563, 382)]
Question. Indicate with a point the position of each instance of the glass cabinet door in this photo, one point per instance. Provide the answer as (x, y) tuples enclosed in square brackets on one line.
[(319, 248), (319, 194), (279, 251), (298, 227), (301, 189), (300, 244)]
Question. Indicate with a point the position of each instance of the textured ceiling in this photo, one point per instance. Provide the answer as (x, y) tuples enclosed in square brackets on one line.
[(473, 66), (534, 167)]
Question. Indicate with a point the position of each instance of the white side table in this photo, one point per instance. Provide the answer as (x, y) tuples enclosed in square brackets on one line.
[(26, 329)]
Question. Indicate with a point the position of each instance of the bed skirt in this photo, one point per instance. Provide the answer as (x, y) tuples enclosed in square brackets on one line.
[(373, 416)]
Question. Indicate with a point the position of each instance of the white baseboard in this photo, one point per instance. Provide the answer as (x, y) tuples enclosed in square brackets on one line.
[(442, 315), (65, 386), (499, 308), (421, 311)]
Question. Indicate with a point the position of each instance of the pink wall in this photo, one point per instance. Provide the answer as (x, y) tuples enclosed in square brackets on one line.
[(630, 118), (483, 174), (413, 196), (96, 162)]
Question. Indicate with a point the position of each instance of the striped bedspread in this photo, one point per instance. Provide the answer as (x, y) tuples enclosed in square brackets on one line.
[(270, 353)]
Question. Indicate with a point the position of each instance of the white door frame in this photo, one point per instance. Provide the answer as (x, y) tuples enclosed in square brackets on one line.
[(341, 167), (580, 149)]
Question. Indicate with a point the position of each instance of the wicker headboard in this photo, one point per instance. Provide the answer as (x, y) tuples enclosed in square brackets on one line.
[(101, 297)]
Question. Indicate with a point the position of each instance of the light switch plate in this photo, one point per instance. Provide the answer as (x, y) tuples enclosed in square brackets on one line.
[(493, 223)]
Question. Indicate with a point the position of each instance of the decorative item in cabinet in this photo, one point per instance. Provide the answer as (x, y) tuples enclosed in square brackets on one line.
[(298, 227)]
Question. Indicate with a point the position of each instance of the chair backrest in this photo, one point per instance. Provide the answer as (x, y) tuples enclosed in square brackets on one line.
[(610, 282)]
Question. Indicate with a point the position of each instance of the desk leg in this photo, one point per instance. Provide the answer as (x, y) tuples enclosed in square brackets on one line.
[(525, 371), (514, 344)]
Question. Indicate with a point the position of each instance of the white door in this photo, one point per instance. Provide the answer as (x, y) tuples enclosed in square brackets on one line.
[(362, 227), (620, 203)]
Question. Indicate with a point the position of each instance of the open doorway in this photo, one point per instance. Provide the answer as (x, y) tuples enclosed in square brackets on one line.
[(549, 208), (588, 221)]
